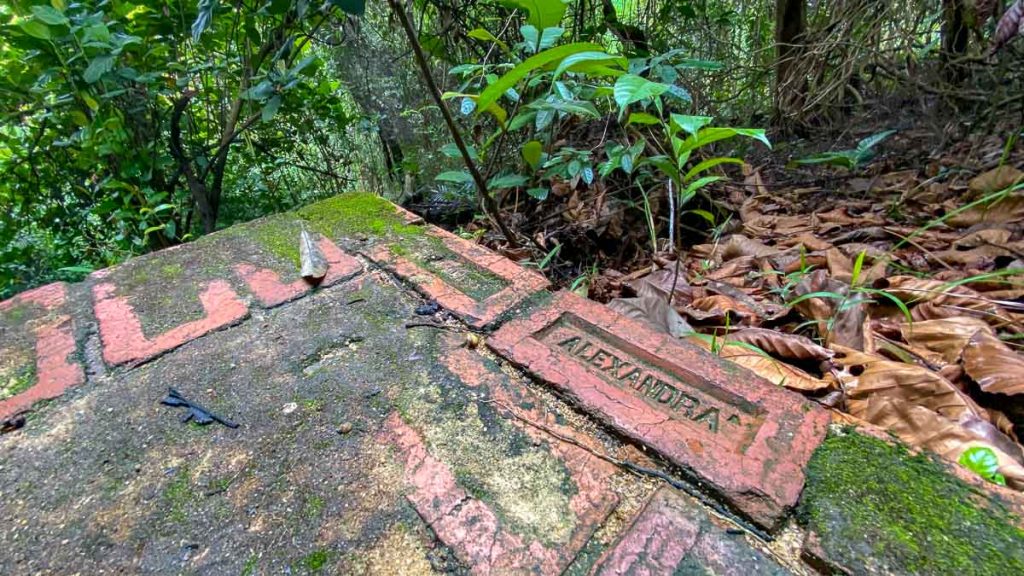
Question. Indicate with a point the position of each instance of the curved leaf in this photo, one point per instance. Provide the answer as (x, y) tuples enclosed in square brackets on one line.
[(542, 13), (491, 94)]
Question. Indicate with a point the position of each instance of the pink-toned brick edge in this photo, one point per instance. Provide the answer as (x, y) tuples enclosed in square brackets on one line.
[(55, 344), (270, 291), (469, 526), (521, 282), (762, 478), (121, 330)]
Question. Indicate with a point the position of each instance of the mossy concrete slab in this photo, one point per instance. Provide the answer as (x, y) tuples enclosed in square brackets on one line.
[(872, 507)]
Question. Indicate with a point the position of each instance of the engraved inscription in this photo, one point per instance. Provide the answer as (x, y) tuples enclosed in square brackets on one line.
[(731, 420)]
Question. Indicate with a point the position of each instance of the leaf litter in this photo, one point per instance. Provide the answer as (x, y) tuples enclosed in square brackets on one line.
[(905, 313)]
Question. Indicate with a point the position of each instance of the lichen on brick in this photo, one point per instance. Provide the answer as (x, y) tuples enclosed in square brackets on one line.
[(875, 507)]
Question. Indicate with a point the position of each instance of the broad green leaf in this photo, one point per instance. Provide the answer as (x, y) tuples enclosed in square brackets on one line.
[(454, 176), (642, 118), (452, 151), (709, 164), (532, 152), (549, 36), (270, 108), (630, 88), (491, 94), (49, 15), (588, 174), (706, 136), (585, 62), (522, 119), (531, 37), (542, 13), (690, 124), (871, 141), (467, 106), (35, 29), (507, 181), (99, 66), (983, 462)]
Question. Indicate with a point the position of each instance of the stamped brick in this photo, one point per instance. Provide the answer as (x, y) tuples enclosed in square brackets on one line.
[(465, 278), (269, 290), (742, 435), (121, 330), (470, 527), (675, 536), (37, 347)]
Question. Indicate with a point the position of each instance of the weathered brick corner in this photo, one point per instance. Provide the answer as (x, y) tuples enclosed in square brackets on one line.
[(38, 351)]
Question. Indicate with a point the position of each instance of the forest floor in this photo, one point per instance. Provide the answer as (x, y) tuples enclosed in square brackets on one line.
[(890, 290)]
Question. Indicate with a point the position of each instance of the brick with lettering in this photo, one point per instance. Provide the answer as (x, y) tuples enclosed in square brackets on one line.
[(748, 439), (471, 281)]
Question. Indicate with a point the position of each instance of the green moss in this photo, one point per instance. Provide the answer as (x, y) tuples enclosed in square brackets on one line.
[(314, 506), (250, 566), (878, 508), (20, 380), (179, 494), (278, 235), (430, 253), (316, 560), (357, 213)]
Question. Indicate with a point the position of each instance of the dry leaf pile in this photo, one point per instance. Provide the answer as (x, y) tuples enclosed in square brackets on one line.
[(912, 328)]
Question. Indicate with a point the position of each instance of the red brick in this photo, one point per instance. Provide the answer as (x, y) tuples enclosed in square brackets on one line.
[(121, 330), (673, 535), (270, 291), (469, 526), (746, 437), (56, 368), (521, 283)]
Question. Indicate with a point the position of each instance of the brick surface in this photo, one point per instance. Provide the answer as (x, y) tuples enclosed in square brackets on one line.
[(674, 536), (465, 260), (36, 328), (121, 330), (744, 436), (470, 526), (269, 290)]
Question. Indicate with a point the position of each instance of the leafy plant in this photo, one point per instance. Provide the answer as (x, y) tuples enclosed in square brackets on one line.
[(983, 461), (853, 159)]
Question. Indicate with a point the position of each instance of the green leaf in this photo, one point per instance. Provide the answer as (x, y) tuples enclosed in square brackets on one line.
[(983, 462), (690, 124), (642, 118), (454, 176), (586, 62), (50, 15), (531, 37), (549, 36), (35, 29), (491, 94), (630, 88), (353, 7), (538, 193), (542, 13), (507, 181), (270, 108), (532, 152), (99, 66), (871, 141), (709, 164), (858, 265)]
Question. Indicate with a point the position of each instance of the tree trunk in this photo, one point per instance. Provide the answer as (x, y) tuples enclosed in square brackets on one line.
[(790, 25), (955, 34)]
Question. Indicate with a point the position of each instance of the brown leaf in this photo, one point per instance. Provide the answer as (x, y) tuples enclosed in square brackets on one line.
[(782, 345), (921, 427), (993, 365), (717, 306), (1009, 208), (739, 245), (661, 281), (865, 376), (765, 366), (1009, 25), (984, 237), (996, 179), (945, 336), (840, 319), (652, 308)]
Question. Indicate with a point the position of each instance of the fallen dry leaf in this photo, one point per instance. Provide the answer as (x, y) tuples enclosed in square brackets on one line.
[(314, 263), (945, 336), (652, 308), (993, 365), (765, 366), (782, 345)]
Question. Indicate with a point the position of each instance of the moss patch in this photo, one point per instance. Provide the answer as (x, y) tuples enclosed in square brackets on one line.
[(357, 213), (16, 379), (278, 235), (432, 255), (316, 560), (878, 508)]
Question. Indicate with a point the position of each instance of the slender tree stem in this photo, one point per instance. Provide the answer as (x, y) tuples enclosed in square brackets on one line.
[(490, 206)]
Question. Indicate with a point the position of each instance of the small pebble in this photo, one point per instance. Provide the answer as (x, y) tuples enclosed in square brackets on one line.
[(290, 407), (345, 428)]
